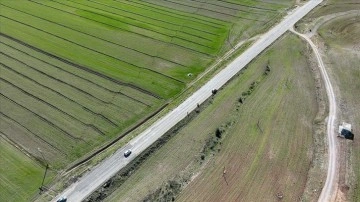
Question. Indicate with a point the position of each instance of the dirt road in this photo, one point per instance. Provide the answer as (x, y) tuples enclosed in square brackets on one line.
[(330, 186), (109, 167)]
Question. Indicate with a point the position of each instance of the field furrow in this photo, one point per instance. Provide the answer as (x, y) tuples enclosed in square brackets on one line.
[(24, 112), (7, 124), (74, 40), (145, 22), (103, 63), (75, 69), (81, 91), (85, 31), (213, 10), (174, 23), (40, 105)]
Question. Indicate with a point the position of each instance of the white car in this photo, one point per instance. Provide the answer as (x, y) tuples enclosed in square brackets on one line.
[(127, 153), (62, 199)]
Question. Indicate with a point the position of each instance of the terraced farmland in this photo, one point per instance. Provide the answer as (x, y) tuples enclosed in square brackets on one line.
[(77, 73), (48, 103)]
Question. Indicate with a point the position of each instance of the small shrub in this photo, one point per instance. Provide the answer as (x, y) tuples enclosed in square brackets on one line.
[(218, 133)]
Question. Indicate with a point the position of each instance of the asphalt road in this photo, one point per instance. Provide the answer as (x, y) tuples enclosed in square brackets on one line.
[(109, 167), (330, 186)]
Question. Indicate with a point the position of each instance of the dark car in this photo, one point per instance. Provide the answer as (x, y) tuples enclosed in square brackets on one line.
[(127, 153)]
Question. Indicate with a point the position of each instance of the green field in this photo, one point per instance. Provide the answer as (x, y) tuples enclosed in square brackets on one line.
[(266, 144), (21, 171), (77, 74)]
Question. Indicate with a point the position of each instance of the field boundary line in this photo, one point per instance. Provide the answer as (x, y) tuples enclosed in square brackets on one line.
[(199, 8), (57, 80), (160, 20), (82, 67), (75, 75), (60, 94), (91, 49), (170, 29), (128, 31), (99, 38), (90, 125), (27, 129)]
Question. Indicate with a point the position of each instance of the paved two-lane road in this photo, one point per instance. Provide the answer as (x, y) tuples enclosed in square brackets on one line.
[(101, 173)]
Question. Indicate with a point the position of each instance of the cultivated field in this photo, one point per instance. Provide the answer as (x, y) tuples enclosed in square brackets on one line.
[(341, 37), (77, 74), (21, 171), (62, 108), (265, 144)]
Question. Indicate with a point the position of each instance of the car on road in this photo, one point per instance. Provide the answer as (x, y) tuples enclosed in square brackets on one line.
[(62, 199), (127, 153)]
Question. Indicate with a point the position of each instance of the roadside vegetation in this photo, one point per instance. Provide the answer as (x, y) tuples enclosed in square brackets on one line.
[(75, 75), (252, 141)]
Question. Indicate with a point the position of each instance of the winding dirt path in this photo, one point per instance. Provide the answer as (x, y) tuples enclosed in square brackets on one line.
[(330, 186)]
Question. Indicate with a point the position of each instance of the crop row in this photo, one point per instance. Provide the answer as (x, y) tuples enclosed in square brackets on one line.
[(84, 73), (21, 125), (79, 105), (166, 27), (75, 41), (135, 26), (79, 30), (59, 106), (66, 48), (215, 8)]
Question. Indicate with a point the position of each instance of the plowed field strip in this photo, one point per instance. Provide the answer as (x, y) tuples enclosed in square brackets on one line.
[(163, 20), (215, 3), (134, 21), (28, 130), (168, 36), (129, 31), (249, 6), (90, 49), (66, 91), (60, 81), (142, 54), (71, 100), (186, 22), (90, 125), (115, 92), (40, 117), (206, 53), (157, 8), (82, 67), (210, 10)]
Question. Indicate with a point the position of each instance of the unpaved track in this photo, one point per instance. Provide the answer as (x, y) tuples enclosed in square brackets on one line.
[(109, 167), (328, 192)]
